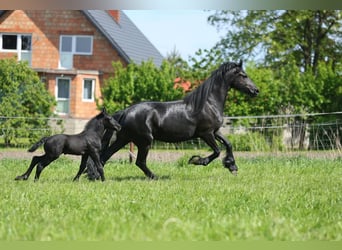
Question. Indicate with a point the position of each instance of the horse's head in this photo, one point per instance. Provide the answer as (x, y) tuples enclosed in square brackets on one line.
[(240, 81), (109, 122)]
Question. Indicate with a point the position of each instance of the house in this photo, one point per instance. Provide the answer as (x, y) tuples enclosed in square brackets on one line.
[(73, 51)]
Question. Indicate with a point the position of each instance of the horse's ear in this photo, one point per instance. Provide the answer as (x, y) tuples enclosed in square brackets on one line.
[(240, 63)]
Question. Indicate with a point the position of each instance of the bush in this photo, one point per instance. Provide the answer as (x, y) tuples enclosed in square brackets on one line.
[(22, 96), (255, 141)]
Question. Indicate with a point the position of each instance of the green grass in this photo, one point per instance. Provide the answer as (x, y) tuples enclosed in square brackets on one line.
[(272, 198)]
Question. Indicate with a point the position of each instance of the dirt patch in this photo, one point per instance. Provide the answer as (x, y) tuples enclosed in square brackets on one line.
[(174, 155)]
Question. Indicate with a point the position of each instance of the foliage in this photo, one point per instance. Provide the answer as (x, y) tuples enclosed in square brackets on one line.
[(272, 198), (306, 36), (255, 141), (136, 83), (23, 95)]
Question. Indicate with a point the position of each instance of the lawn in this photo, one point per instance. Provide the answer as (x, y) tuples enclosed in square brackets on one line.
[(272, 198)]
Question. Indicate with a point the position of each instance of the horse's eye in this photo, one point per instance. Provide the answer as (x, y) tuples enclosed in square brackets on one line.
[(242, 74)]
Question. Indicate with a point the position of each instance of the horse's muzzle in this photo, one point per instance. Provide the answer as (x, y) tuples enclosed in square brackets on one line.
[(254, 92)]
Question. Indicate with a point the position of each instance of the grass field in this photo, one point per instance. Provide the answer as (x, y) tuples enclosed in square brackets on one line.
[(272, 198)]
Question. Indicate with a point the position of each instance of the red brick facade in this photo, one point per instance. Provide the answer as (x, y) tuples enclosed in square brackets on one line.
[(46, 27)]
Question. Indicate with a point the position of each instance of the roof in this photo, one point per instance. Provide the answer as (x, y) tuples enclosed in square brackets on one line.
[(125, 37)]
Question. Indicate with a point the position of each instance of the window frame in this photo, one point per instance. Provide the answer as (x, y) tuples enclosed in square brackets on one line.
[(93, 81), (18, 50), (62, 99), (67, 56), (74, 44), (19, 42)]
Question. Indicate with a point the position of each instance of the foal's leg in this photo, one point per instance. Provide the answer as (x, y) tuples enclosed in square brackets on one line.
[(141, 161), (228, 161), (95, 156), (210, 140), (42, 164), (82, 167), (25, 176)]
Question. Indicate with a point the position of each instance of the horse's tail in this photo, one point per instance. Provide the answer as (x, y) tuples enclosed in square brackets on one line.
[(38, 144)]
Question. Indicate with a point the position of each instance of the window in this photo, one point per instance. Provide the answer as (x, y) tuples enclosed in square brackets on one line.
[(77, 45), (19, 43), (66, 44), (25, 42), (84, 45), (9, 42), (62, 95), (88, 90), (73, 45)]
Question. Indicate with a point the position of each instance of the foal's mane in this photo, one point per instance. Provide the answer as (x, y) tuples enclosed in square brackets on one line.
[(199, 96), (94, 122)]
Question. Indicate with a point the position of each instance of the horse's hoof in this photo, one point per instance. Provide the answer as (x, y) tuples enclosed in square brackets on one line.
[(195, 160)]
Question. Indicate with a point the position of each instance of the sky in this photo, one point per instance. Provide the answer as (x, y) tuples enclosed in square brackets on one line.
[(183, 30)]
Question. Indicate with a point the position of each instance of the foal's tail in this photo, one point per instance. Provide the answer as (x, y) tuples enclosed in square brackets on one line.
[(38, 144)]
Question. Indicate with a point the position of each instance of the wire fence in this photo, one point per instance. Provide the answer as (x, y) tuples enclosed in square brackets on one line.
[(283, 133), (288, 132), (246, 133)]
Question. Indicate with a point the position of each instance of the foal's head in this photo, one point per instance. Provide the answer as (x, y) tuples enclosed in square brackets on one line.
[(102, 122), (109, 122)]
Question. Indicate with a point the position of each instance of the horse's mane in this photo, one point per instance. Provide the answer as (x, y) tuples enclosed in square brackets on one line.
[(199, 96)]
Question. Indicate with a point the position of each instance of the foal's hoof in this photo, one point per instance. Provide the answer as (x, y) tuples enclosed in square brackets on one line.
[(234, 172), (153, 177), (20, 178)]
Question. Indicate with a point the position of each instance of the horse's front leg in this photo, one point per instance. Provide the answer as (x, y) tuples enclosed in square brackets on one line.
[(229, 160), (82, 167), (210, 140)]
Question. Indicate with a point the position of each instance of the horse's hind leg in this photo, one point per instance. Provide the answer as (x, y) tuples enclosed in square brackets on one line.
[(141, 161), (82, 167), (229, 160), (26, 175), (42, 164)]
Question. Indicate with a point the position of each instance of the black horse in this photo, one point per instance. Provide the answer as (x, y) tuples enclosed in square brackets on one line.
[(199, 114), (87, 143)]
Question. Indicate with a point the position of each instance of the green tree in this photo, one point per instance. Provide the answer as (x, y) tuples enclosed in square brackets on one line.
[(176, 61), (136, 83), (22, 95), (277, 36)]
